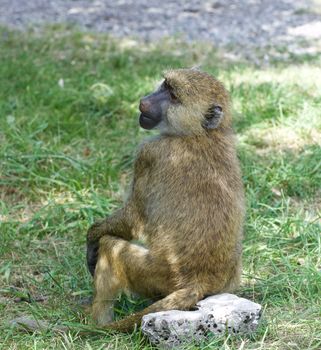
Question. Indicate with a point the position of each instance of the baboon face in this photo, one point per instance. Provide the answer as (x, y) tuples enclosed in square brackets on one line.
[(154, 107), (187, 102)]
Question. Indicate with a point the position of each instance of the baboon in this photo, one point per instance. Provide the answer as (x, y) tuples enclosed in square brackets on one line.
[(186, 203)]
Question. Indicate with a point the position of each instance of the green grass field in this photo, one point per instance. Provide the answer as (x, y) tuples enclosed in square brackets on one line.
[(66, 149)]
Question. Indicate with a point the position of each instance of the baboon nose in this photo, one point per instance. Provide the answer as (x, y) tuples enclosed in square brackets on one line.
[(144, 105)]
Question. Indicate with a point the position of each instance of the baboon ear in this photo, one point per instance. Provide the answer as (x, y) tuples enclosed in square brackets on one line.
[(213, 117)]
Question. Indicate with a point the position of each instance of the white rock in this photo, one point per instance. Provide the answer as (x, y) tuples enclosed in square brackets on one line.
[(218, 314)]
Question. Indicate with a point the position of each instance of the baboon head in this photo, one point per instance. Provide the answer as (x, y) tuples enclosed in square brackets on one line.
[(187, 102)]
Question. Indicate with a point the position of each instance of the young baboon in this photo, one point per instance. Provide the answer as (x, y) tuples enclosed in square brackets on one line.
[(186, 203)]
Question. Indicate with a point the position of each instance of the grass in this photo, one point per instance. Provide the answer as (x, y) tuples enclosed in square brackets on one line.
[(68, 131)]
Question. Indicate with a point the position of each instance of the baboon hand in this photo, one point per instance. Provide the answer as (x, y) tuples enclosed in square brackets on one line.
[(92, 256), (92, 247)]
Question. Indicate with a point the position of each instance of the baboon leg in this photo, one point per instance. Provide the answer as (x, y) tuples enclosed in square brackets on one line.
[(121, 266)]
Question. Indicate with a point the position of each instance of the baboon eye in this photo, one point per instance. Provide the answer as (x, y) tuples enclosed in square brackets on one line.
[(171, 92), (173, 96)]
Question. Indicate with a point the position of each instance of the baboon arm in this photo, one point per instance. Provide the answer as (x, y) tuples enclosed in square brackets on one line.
[(183, 299), (118, 224)]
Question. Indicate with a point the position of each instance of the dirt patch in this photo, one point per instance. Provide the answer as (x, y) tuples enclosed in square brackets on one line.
[(238, 26)]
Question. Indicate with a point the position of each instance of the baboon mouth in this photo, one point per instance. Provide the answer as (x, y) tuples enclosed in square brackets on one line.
[(147, 122)]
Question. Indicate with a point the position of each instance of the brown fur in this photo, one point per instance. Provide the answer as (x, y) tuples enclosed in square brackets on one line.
[(186, 204)]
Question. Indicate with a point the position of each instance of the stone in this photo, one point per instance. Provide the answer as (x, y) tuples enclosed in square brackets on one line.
[(216, 315)]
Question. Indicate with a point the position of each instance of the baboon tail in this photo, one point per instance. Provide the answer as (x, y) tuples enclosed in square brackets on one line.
[(182, 299)]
